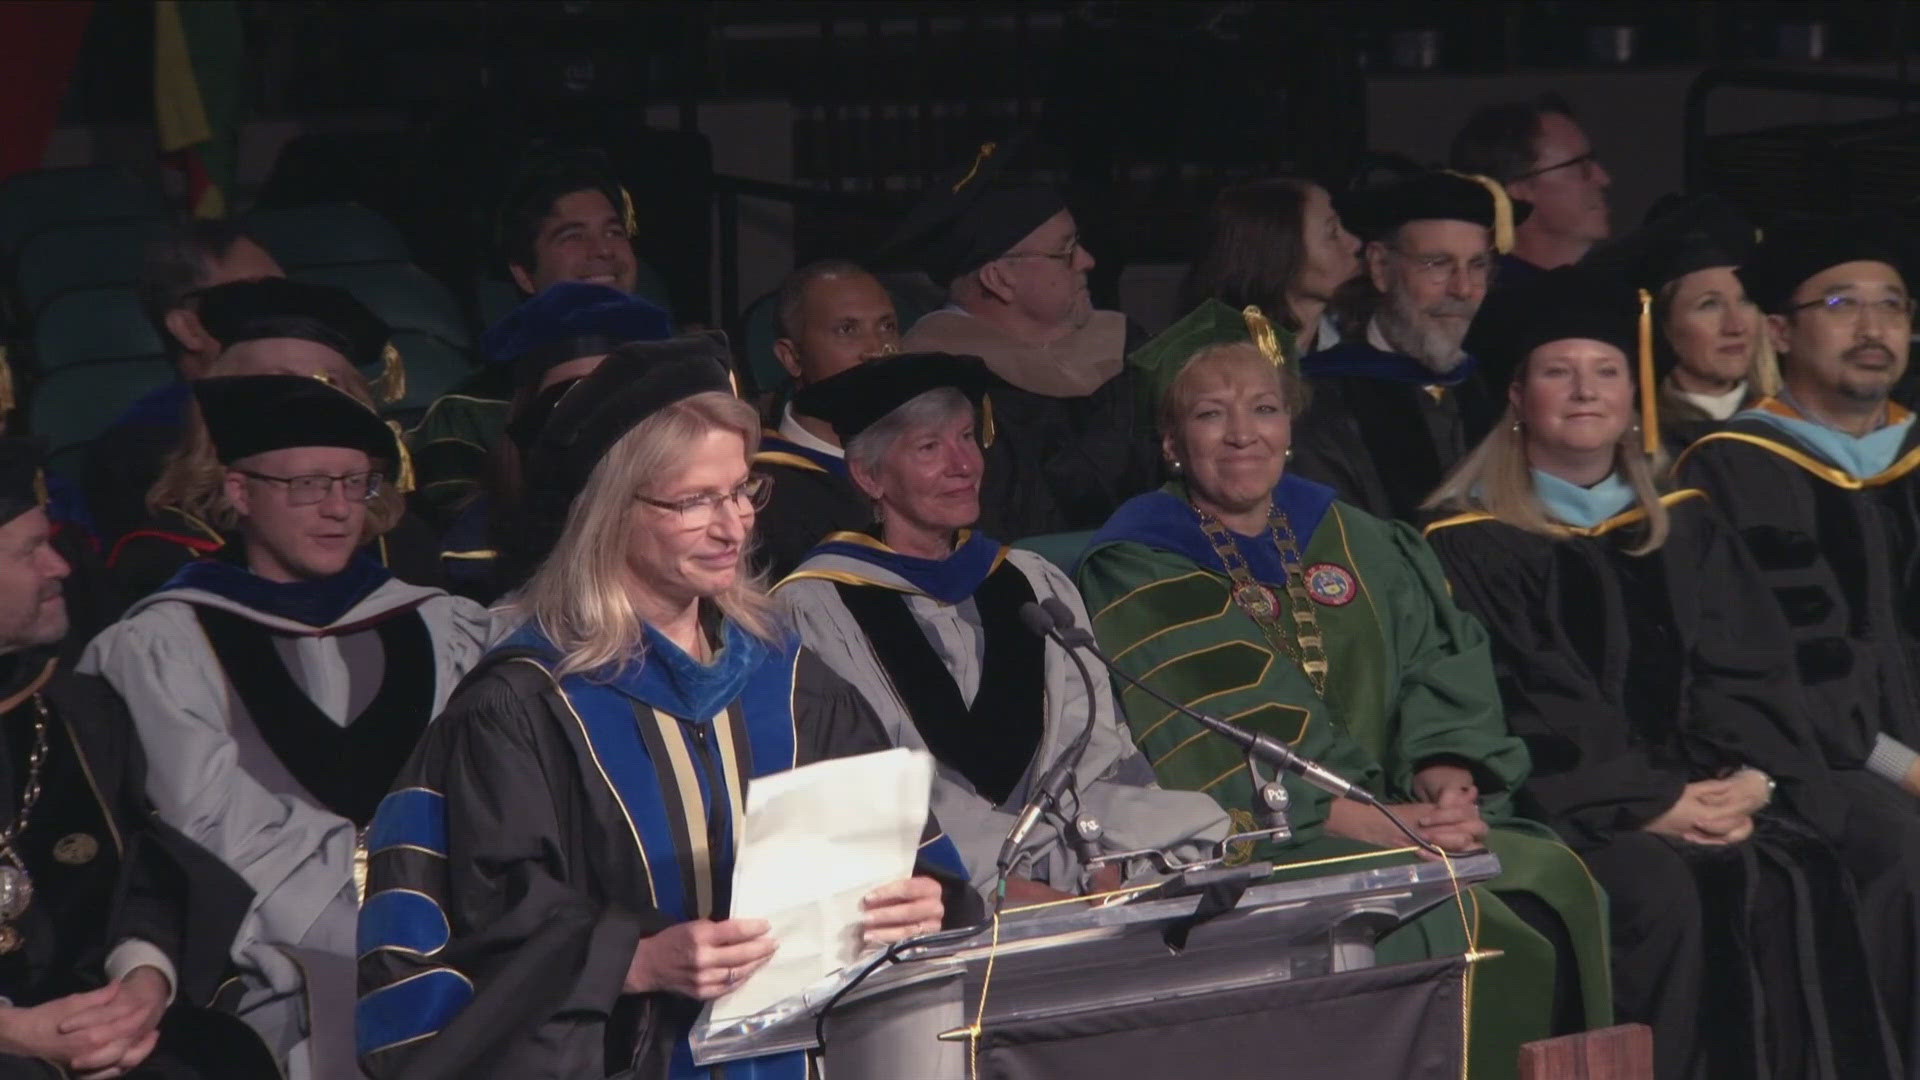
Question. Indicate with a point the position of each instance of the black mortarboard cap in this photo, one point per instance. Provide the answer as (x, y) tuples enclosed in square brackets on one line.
[(1374, 213), (861, 396), (255, 414), (635, 381), (278, 308), (569, 320), (971, 216), (1794, 251), (23, 481), (1681, 235)]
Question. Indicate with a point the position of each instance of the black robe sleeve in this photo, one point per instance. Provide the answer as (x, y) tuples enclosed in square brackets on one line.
[(1590, 779)]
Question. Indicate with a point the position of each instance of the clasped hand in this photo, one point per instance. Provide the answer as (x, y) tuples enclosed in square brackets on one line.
[(1715, 811), (95, 1035), (703, 959)]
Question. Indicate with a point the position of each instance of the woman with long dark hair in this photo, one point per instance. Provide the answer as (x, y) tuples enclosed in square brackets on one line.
[(1278, 245)]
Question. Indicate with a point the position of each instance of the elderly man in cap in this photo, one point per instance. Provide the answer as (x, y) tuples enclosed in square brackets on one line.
[(1064, 446), (113, 927), (1398, 402), (279, 691), (1822, 481)]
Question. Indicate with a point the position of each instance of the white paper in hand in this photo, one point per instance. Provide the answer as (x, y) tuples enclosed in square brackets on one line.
[(817, 839)]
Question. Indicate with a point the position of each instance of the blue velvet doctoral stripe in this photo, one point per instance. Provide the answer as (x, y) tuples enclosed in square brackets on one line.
[(772, 442), (316, 603), (949, 580), (1167, 522), (410, 1009), (940, 853), (402, 919), (410, 817), (1357, 358)]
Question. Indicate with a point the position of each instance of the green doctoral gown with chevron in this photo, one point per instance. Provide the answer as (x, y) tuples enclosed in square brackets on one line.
[(1409, 683)]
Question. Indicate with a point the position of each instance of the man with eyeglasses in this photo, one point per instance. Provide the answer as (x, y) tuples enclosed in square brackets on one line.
[(278, 691), (1539, 151), (1398, 402), (1823, 484), (1064, 449)]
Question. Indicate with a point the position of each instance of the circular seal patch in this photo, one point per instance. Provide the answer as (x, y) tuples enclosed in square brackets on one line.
[(76, 849), (1330, 584)]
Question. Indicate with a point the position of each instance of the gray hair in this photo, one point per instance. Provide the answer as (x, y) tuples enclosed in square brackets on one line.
[(868, 449)]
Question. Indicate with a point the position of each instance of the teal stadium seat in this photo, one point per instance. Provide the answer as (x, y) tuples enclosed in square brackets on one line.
[(90, 325), (1061, 549), (72, 405), (47, 198), (82, 255), (405, 296), (332, 234)]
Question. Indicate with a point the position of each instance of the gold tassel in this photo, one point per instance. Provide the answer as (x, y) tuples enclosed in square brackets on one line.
[(1766, 364), (986, 421), (393, 376), (979, 159), (1649, 405), (403, 480), (7, 399), (40, 495), (1502, 209), (627, 216), (1261, 329)]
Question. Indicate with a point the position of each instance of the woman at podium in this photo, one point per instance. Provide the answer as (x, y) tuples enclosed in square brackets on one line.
[(1260, 597), (924, 617), (547, 891)]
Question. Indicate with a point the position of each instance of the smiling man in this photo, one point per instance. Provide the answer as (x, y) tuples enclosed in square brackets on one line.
[(1063, 449), (1398, 402), (279, 691)]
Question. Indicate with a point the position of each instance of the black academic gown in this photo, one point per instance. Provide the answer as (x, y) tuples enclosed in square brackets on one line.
[(1065, 464), (1384, 443), (811, 500), (105, 869), (147, 558), (543, 886), (1632, 676)]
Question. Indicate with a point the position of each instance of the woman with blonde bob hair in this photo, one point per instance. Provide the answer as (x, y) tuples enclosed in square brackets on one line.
[(1331, 629), (1649, 671), (568, 824)]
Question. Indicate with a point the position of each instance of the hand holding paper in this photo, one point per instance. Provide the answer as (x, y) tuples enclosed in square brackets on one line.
[(816, 841)]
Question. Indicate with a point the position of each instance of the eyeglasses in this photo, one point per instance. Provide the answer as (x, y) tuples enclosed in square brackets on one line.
[(697, 511), (1439, 268), (313, 487), (1586, 163), (1846, 308), (1064, 256)]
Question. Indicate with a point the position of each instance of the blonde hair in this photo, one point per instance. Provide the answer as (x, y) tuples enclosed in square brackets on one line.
[(1226, 359), (194, 482), (579, 596), (1497, 479)]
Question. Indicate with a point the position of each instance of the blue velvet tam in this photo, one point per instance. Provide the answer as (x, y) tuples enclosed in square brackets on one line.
[(569, 320)]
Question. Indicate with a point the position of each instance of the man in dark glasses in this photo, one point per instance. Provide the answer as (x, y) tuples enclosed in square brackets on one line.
[(1538, 150)]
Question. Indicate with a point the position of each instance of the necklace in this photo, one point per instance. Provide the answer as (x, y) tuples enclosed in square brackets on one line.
[(1305, 647), (16, 886)]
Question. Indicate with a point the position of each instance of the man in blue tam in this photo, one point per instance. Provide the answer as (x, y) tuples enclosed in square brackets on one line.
[(541, 347), (280, 688)]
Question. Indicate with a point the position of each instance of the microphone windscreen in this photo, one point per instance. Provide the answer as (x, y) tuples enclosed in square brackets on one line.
[(1036, 618), (1058, 611)]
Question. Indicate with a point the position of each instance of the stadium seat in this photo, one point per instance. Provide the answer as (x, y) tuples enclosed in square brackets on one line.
[(92, 324), (1061, 549), (48, 198), (334, 234), (407, 297), (756, 345), (74, 404), (82, 255)]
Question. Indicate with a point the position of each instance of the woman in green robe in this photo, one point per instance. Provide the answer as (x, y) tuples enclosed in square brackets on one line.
[(1259, 597)]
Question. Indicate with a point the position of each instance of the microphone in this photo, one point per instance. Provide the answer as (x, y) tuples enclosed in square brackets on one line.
[(1060, 618), (1053, 783)]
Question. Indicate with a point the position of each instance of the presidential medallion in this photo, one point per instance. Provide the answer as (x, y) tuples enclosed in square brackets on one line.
[(1330, 584), (76, 849), (1255, 599)]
